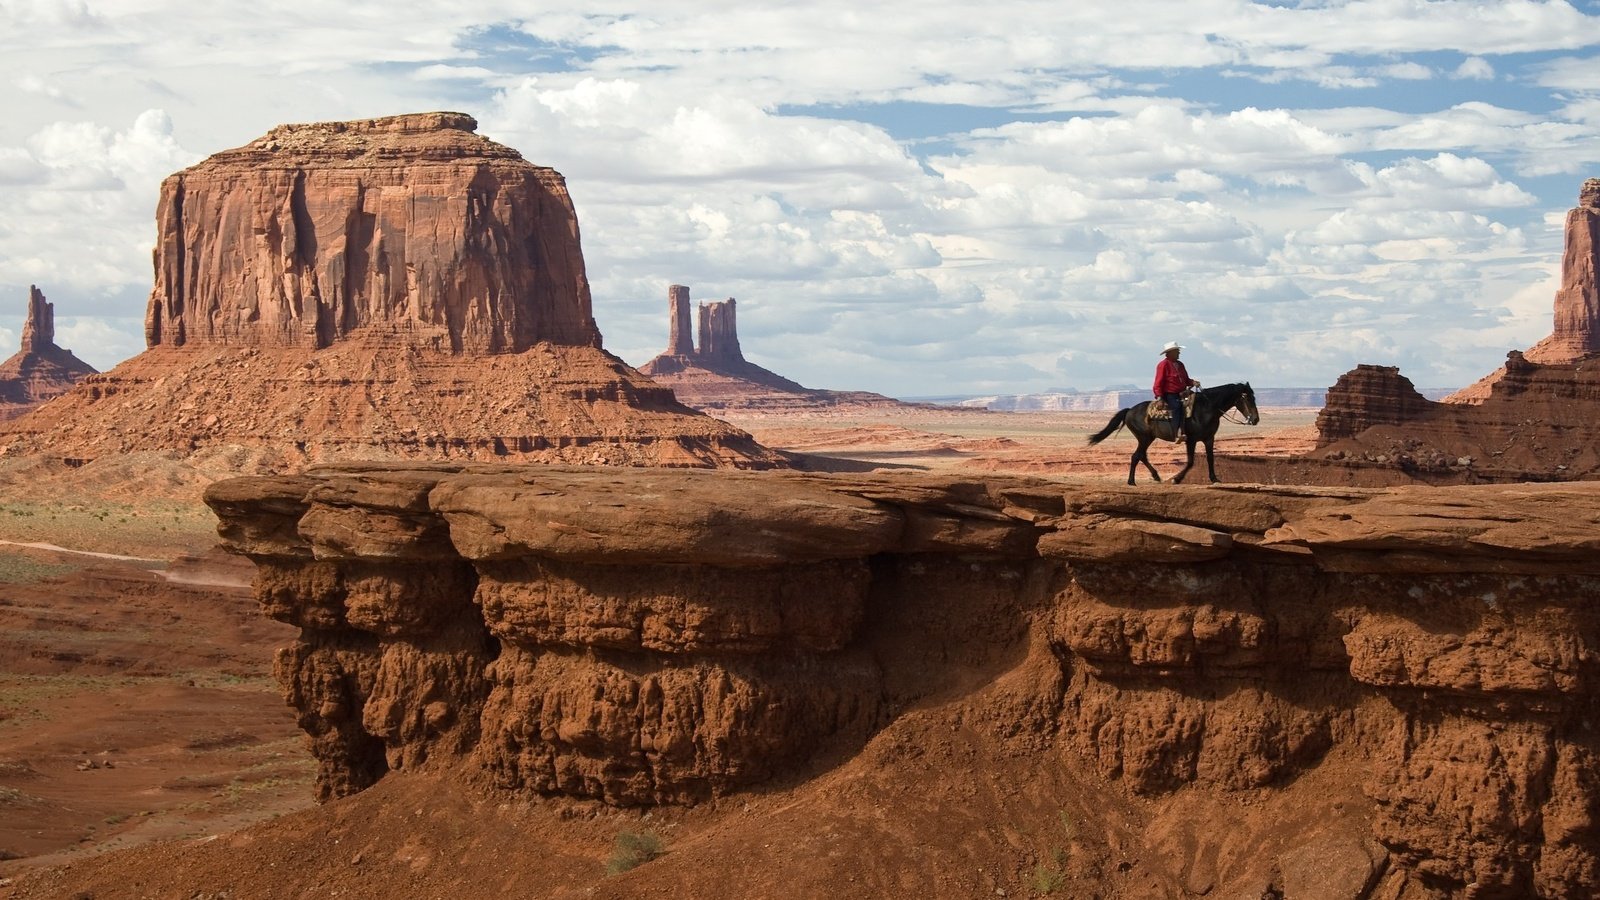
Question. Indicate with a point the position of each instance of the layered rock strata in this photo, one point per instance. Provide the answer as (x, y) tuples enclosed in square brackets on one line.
[(716, 376), (1534, 425), (396, 287), (651, 636), (1366, 396), (40, 370), (408, 229)]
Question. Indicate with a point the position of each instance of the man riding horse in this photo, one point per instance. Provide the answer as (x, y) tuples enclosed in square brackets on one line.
[(1198, 426), (1172, 379)]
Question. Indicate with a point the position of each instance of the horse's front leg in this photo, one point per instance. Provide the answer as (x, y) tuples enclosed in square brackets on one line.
[(1189, 465), (1211, 465)]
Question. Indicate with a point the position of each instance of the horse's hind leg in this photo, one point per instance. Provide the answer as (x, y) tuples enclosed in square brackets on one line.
[(1142, 455)]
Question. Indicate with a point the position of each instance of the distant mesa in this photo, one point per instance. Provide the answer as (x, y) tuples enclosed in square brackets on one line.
[(716, 376), (1112, 399), (40, 370), (399, 287)]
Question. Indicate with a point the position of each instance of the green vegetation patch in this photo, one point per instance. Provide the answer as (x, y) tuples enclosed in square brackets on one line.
[(18, 568), (633, 849), (153, 528)]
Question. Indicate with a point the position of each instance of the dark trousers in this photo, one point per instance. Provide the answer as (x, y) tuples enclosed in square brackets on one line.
[(1174, 403)]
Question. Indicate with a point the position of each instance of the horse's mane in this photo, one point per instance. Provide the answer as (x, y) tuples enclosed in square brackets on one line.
[(1232, 389)]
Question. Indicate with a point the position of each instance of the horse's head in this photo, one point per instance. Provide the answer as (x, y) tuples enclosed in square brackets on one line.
[(1246, 405)]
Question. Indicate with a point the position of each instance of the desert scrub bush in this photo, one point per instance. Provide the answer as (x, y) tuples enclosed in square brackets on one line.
[(633, 849), (1052, 877)]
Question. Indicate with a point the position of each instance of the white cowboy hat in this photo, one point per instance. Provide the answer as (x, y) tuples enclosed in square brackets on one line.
[(1171, 345)]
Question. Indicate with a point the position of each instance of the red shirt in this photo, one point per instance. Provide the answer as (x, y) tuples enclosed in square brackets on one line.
[(1171, 377)]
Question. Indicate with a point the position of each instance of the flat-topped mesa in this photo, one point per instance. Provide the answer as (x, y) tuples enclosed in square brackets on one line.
[(407, 230), (389, 288), (1577, 303), (1366, 396)]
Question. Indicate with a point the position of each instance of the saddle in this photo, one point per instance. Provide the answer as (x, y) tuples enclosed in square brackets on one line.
[(1159, 417)]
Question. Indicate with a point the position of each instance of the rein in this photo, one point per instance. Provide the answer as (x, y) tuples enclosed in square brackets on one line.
[(1231, 410)]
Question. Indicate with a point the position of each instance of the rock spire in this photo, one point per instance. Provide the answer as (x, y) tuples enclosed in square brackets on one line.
[(1577, 303), (680, 342), (719, 331), (715, 375), (39, 331), (39, 371)]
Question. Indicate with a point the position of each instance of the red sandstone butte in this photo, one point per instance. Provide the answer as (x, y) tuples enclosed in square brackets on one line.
[(716, 375), (1366, 396), (384, 288), (409, 229), (40, 370)]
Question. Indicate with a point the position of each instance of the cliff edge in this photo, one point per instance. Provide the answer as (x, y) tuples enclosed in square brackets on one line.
[(1225, 691)]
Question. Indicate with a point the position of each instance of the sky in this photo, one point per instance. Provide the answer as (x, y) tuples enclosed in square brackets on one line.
[(919, 199)]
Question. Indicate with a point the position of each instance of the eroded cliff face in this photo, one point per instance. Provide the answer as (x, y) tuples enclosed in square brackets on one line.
[(649, 637), (1366, 396), (408, 229)]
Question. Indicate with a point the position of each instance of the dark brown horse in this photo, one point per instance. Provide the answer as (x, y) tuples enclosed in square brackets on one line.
[(1200, 426)]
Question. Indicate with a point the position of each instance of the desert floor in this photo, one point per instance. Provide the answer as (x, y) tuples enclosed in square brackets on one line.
[(137, 702), (1052, 444)]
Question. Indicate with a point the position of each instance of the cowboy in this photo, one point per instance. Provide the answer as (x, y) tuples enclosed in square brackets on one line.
[(1172, 379)]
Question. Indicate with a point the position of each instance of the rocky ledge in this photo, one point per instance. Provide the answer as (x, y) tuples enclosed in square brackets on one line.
[(651, 636)]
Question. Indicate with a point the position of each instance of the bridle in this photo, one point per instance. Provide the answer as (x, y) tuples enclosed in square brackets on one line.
[(1228, 413)]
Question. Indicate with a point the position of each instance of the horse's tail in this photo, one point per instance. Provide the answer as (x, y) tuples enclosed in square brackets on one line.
[(1111, 428)]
